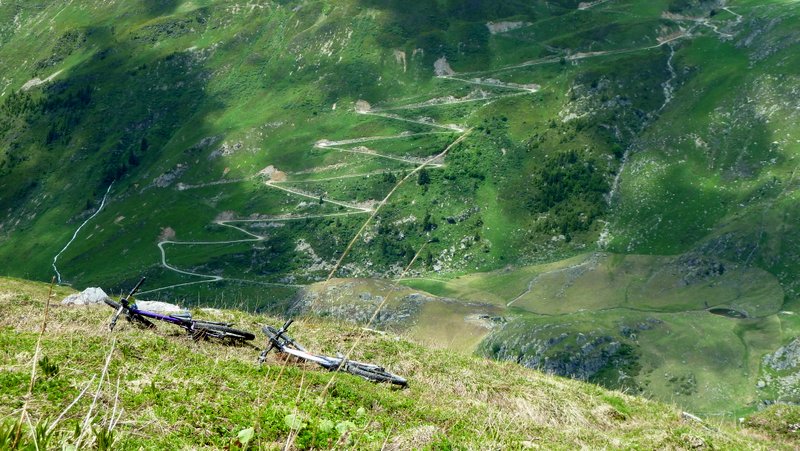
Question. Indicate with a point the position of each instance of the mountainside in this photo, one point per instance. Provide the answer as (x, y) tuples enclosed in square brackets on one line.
[(603, 190), (160, 390)]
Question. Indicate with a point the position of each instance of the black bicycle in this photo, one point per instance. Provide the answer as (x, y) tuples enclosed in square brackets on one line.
[(198, 330), (280, 341)]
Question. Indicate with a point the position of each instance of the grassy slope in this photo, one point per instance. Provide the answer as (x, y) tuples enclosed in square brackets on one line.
[(178, 394), (203, 76), (711, 178), (606, 294), (712, 174)]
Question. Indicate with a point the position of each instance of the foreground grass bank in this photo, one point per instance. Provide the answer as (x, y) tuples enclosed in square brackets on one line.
[(161, 390)]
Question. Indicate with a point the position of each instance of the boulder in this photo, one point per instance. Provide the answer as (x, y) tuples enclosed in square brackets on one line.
[(158, 306), (89, 296)]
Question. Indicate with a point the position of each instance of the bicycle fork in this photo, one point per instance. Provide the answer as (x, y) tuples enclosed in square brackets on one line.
[(124, 304), (116, 316)]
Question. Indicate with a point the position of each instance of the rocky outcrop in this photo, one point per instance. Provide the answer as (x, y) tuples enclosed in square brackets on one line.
[(505, 26), (353, 302), (442, 68), (578, 362), (89, 296), (576, 355), (785, 358)]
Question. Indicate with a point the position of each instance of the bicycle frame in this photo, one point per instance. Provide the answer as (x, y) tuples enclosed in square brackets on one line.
[(187, 324), (166, 318), (327, 362), (321, 360)]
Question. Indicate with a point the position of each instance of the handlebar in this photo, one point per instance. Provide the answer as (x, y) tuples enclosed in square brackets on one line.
[(275, 341), (124, 300)]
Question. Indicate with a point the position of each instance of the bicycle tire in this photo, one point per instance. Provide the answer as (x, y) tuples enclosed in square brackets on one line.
[(226, 332), (375, 375), (133, 317)]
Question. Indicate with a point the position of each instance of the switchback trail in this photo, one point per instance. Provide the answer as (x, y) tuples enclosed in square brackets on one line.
[(433, 162)]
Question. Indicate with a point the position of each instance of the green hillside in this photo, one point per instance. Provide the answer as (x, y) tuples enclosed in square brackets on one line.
[(614, 180), (159, 389)]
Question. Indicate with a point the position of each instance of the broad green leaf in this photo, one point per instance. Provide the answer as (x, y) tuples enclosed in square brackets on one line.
[(326, 425), (245, 435), (294, 421), (344, 426)]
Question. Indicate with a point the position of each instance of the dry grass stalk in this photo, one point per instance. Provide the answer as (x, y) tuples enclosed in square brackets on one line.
[(293, 433), (87, 421), (23, 414), (72, 404), (386, 199), (113, 421), (372, 318)]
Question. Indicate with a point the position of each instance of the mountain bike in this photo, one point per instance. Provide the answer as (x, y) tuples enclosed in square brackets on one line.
[(282, 342), (198, 330)]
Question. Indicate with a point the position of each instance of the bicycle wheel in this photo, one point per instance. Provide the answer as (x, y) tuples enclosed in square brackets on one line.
[(223, 332), (141, 320), (375, 374)]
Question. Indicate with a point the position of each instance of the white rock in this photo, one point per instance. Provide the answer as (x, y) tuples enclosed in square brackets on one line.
[(502, 27), (158, 306), (91, 295), (442, 68)]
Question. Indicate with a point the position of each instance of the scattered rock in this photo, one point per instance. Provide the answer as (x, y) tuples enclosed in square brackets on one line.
[(89, 296), (400, 58), (502, 27), (441, 67), (166, 179), (577, 357), (167, 233), (693, 441), (272, 173), (32, 83), (786, 357), (362, 106)]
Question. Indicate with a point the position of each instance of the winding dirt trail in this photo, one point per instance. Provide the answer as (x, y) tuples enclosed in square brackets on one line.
[(377, 155), (475, 78), (578, 56), (386, 199), (434, 161)]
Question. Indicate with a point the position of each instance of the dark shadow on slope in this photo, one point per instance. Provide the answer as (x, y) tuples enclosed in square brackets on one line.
[(159, 7), (107, 119), (455, 29)]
